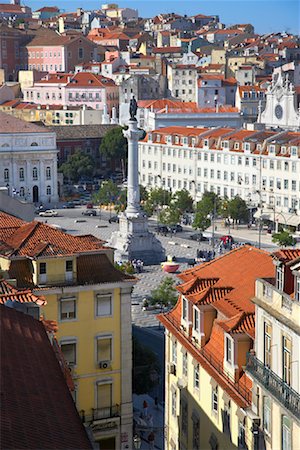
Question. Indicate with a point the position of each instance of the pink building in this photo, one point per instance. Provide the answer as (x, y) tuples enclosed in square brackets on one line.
[(83, 88), (51, 52)]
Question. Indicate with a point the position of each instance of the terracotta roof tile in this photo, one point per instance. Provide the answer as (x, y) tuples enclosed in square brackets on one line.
[(37, 408), (93, 269), (10, 124), (287, 255)]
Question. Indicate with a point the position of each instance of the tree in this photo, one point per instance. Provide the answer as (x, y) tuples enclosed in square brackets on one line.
[(201, 221), (209, 203), (114, 145), (78, 166), (237, 209), (108, 193), (283, 239), (144, 363), (165, 294), (169, 216), (183, 201)]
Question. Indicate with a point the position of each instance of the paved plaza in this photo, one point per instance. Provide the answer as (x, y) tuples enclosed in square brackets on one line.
[(176, 245)]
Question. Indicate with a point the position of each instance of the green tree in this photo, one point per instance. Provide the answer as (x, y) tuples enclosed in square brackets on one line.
[(114, 145), (201, 221), (145, 362), (209, 203), (108, 193), (78, 165), (165, 294), (169, 216), (283, 239), (183, 201), (237, 209)]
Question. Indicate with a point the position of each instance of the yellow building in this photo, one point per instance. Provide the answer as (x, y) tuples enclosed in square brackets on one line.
[(208, 335), (91, 302), (274, 366)]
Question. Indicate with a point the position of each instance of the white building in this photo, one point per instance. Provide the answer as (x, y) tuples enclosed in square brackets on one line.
[(274, 367), (28, 160), (281, 109), (262, 167), (182, 81)]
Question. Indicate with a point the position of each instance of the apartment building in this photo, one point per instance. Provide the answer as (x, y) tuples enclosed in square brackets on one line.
[(262, 167), (215, 89), (273, 366), (248, 99), (83, 88), (207, 336), (182, 81), (90, 301)]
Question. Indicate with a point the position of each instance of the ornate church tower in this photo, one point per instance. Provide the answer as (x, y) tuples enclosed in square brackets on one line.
[(281, 110)]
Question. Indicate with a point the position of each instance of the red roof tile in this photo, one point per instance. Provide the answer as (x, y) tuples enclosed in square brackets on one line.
[(37, 411)]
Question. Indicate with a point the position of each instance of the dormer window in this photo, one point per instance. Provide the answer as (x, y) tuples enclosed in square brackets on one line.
[(205, 142), (196, 320), (150, 137), (176, 139), (279, 278), (294, 151), (258, 147), (225, 144), (193, 142), (158, 138), (236, 145), (297, 288), (184, 140), (184, 309), (272, 149), (169, 139), (229, 349), (246, 146), (283, 150)]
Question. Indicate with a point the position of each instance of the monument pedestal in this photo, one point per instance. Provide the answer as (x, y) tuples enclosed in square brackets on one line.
[(134, 240)]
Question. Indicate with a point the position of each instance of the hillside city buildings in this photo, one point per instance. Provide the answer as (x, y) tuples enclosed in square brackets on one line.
[(219, 106)]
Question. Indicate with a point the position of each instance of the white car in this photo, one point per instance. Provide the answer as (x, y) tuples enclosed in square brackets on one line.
[(48, 213)]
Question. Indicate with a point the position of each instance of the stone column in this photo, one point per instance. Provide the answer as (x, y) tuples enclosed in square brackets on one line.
[(133, 190)]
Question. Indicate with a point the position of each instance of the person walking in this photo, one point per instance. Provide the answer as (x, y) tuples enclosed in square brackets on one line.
[(151, 439)]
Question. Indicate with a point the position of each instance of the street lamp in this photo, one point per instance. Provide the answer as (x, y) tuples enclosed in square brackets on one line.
[(137, 441)]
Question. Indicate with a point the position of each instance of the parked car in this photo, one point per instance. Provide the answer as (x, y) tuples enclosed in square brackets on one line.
[(90, 206), (114, 219), (198, 237), (175, 228), (161, 229), (69, 205), (48, 213), (89, 212)]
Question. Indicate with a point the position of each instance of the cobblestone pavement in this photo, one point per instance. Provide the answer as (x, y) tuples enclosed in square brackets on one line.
[(183, 249)]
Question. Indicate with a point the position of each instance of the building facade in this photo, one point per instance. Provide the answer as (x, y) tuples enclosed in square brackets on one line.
[(208, 335), (248, 100), (90, 301), (182, 81), (262, 167), (28, 156), (274, 365)]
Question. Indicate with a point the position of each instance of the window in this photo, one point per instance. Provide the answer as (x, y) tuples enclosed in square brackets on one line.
[(104, 348), (104, 397), (215, 399), (80, 52), (185, 364), (67, 308), (43, 268), (279, 278), (297, 288), (68, 349), (229, 350), (6, 175), (48, 173), (48, 190), (226, 418), (184, 309), (267, 344), (103, 305), (267, 414), (196, 376), (69, 266), (174, 352), (286, 433), (196, 321), (35, 173), (174, 399), (286, 359), (21, 174)]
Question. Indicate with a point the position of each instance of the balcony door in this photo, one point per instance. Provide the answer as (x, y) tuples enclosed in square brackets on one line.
[(104, 400)]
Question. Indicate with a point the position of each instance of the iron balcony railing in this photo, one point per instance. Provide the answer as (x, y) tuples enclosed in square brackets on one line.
[(100, 413), (286, 395)]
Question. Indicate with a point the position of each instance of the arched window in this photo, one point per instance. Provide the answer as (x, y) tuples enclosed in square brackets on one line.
[(48, 173), (48, 191), (34, 144), (35, 173), (21, 174), (6, 175), (22, 192)]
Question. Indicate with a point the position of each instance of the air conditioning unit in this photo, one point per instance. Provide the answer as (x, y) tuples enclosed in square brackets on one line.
[(104, 364), (172, 368)]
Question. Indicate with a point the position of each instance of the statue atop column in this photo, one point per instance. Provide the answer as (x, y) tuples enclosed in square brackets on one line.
[(133, 108)]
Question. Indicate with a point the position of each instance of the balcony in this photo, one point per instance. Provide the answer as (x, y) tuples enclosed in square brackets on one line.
[(100, 414), (287, 396)]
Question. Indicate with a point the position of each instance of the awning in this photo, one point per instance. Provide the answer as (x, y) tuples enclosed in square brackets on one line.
[(282, 218)]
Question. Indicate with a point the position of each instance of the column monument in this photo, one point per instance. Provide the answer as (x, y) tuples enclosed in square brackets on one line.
[(133, 240)]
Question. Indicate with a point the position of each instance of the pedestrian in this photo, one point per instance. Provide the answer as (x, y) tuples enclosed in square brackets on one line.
[(145, 408), (151, 439)]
